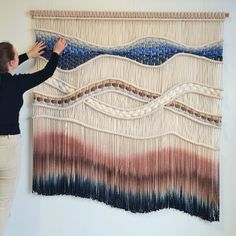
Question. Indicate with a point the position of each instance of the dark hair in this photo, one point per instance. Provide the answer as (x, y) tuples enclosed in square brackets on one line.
[(6, 54)]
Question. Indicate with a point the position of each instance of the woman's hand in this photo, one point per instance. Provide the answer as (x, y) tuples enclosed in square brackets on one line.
[(60, 46), (36, 50)]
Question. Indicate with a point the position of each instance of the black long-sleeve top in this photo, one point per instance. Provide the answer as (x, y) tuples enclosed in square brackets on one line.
[(12, 88)]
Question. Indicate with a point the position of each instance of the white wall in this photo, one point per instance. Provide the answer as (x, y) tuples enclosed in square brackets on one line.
[(34, 215)]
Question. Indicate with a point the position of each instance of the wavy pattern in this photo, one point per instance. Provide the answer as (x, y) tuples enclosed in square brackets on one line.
[(122, 87), (159, 101), (137, 95), (157, 79), (181, 109), (119, 85), (175, 107), (123, 98), (149, 51)]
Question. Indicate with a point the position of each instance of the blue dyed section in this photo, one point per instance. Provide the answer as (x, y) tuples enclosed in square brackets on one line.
[(136, 203), (148, 51)]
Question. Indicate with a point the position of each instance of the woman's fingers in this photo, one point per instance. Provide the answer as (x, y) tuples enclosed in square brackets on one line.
[(37, 49), (60, 45), (41, 52), (40, 45)]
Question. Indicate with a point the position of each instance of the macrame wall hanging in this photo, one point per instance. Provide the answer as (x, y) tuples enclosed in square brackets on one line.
[(132, 115)]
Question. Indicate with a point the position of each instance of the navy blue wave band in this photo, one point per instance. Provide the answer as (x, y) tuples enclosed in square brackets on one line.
[(149, 51)]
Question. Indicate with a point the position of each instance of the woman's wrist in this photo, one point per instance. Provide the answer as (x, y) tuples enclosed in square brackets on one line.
[(57, 52), (28, 54), (59, 46)]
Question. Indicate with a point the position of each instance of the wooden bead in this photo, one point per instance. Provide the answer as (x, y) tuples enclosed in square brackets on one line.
[(94, 88), (79, 95), (115, 84)]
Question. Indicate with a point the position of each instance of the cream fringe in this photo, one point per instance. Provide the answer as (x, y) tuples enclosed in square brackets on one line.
[(120, 31), (158, 123), (108, 142)]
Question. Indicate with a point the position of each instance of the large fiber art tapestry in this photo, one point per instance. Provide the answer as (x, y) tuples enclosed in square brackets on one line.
[(132, 115)]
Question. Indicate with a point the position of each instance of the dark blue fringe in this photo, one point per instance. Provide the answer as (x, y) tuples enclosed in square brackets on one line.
[(127, 201)]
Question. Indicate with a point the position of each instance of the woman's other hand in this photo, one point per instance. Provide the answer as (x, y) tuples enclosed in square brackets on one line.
[(60, 45), (36, 50)]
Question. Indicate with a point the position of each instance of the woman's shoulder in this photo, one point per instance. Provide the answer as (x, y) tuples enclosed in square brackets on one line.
[(10, 77), (9, 82), (5, 76)]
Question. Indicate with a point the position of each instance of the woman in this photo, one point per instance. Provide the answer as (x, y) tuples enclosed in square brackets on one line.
[(12, 88)]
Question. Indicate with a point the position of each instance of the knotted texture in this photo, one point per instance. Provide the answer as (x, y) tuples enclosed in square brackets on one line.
[(132, 115)]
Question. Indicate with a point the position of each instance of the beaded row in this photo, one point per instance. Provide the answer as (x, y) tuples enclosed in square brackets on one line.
[(128, 88)]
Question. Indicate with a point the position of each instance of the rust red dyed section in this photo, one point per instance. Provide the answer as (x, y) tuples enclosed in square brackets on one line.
[(165, 170)]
